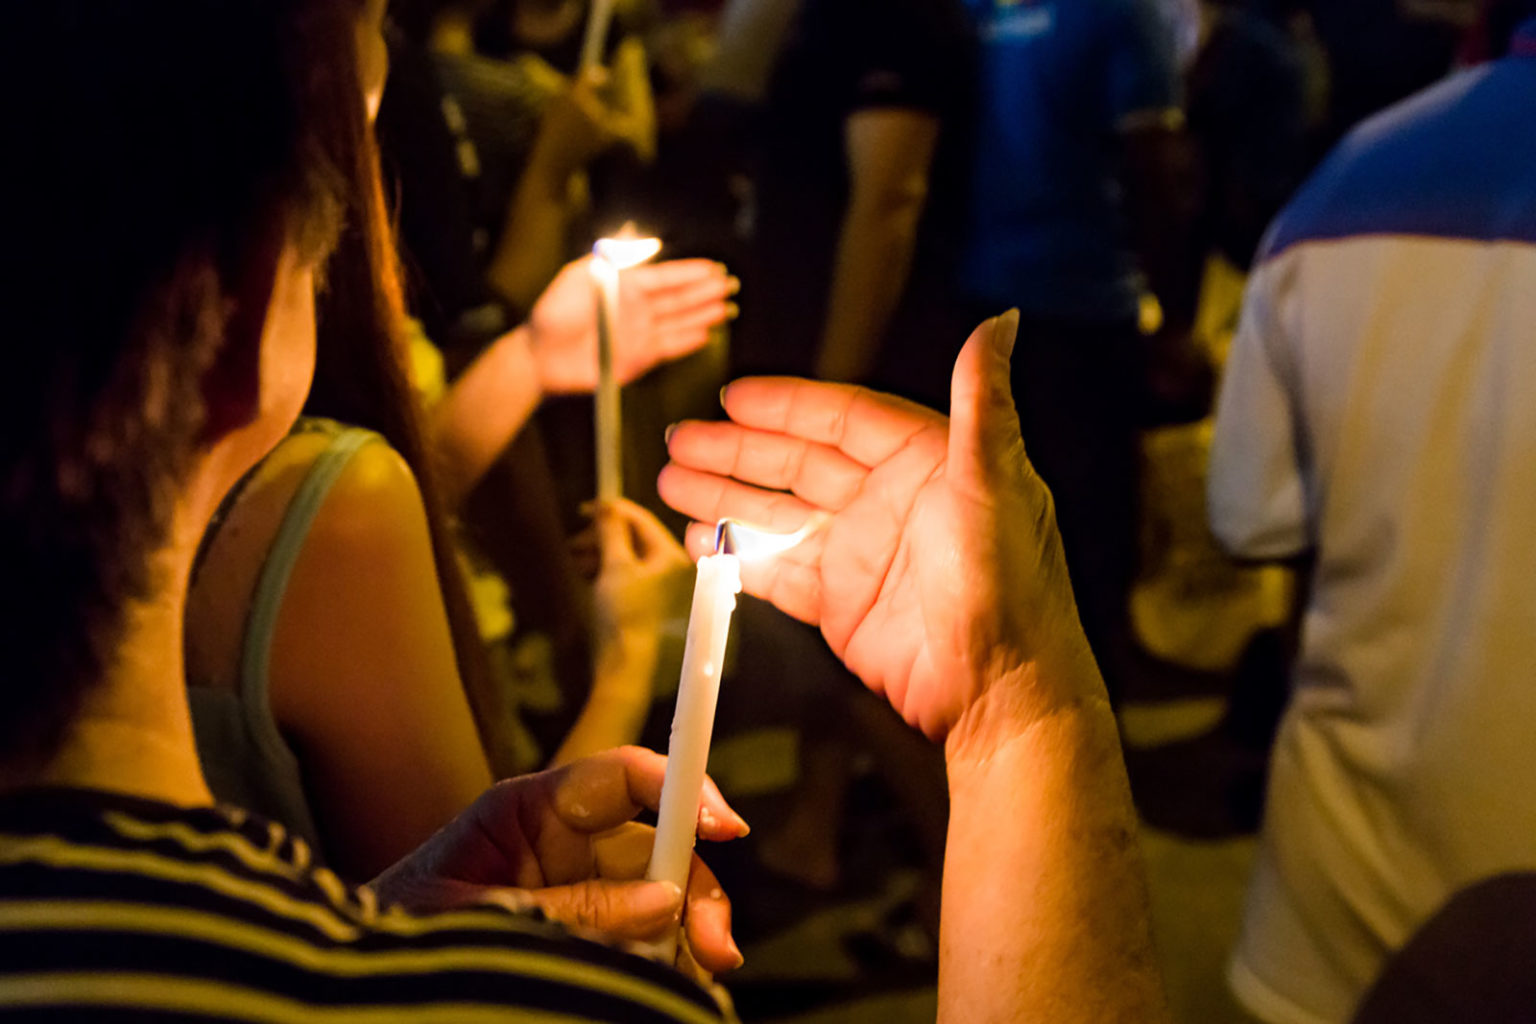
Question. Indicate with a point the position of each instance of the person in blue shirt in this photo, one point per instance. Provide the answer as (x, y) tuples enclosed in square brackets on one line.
[(1081, 197)]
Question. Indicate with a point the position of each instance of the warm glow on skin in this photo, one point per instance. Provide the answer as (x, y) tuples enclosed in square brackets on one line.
[(750, 543), (623, 253)]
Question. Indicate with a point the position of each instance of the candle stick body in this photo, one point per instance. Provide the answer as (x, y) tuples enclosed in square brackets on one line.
[(607, 412), (693, 722), (599, 16)]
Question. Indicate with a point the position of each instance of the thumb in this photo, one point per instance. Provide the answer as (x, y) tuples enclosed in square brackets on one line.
[(984, 432), (620, 910), (652, 538), (615, 541)]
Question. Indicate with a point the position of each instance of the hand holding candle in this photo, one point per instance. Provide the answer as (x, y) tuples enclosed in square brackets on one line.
[(564, 840)]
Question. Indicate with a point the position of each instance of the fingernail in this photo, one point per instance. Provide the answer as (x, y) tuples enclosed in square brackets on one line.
[(730, 941), (708, 819), (732, 311), (1007, 330), (734, 286), (657, 900), (722, 395), (666, 435)]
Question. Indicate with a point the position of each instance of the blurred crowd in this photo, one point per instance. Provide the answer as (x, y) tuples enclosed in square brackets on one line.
[(880, 176), (1274, 270)]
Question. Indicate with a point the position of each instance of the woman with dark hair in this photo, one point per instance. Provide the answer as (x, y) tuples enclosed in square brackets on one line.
[(339, 682), (169, 310)]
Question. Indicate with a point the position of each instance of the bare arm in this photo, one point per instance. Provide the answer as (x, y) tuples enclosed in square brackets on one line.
[(620, 700), (535, 231), (364, 676), (575, 128), (586, 118), (643, 579), (889, 155), (1045, 912), (484, 409), (634, 105)]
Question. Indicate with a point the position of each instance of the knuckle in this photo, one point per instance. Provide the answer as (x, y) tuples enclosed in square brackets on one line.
[(594, 904)]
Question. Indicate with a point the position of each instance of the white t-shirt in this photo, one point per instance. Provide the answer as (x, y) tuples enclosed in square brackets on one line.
[(1379, 411)]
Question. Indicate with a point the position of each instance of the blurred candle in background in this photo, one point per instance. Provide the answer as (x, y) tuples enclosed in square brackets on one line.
[(610, 258), (599, 17)]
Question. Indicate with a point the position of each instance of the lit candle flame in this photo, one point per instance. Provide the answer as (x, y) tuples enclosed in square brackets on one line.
[(626, 249), (748, 543)]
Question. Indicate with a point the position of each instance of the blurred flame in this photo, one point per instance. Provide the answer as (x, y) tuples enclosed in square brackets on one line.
[(747, 542), (626, 249)]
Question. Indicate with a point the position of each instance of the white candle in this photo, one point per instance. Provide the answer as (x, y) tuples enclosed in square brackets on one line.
[(693, 723), (606, 410), (610, 258), (599, 16)]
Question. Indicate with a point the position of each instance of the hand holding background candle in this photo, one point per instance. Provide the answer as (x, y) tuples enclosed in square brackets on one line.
[(610, 258)]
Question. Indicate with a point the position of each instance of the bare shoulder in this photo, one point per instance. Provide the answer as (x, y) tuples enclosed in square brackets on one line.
[(377, 473), (362, 584), (219, 602), (375, 503)]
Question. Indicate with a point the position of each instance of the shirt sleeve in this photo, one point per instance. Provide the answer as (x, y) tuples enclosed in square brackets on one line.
[(1256, 488), (1141, 61)]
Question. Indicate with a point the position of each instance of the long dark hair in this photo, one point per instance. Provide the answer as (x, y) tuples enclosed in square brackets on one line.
[(361, 379), (158, 150)]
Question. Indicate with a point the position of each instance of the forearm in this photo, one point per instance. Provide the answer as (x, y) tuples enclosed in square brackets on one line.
[(874, 259), (616, 708), (636, 125), (533, 237), (1044, 906), (483, 411)]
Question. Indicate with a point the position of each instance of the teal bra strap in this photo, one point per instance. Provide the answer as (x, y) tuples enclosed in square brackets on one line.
[(267, 601)]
